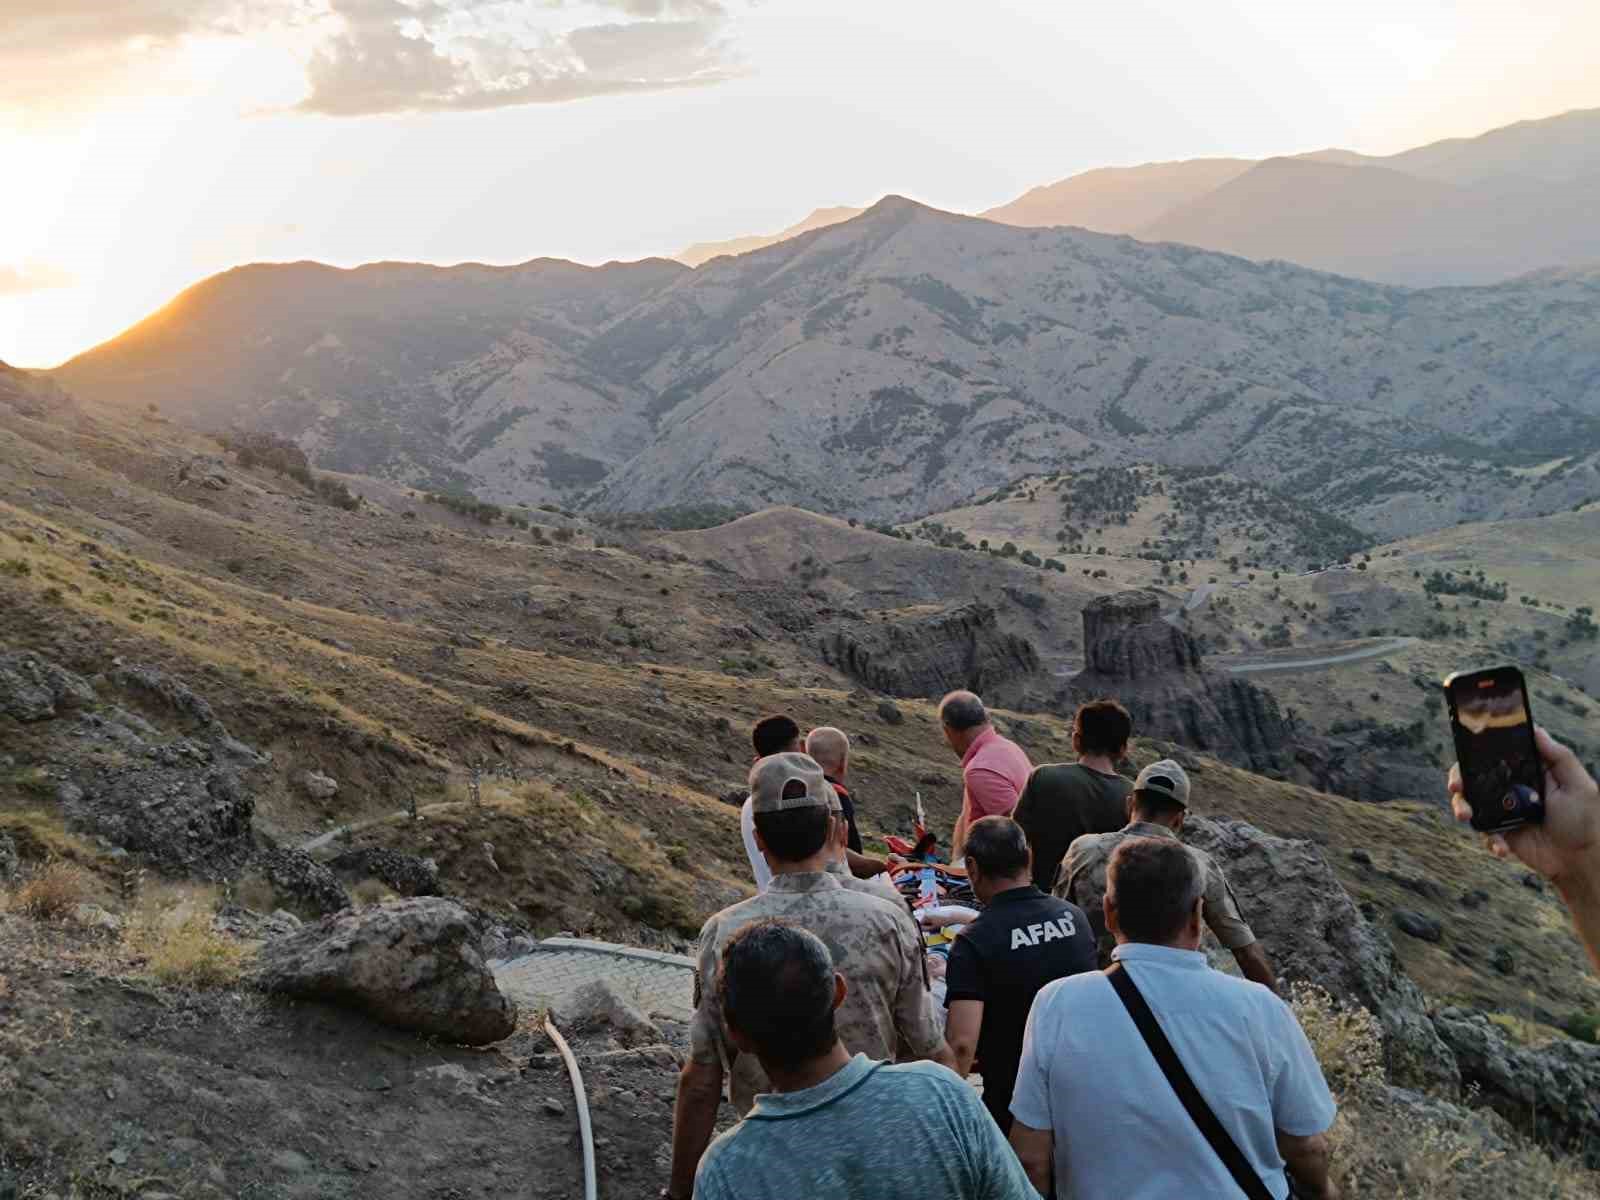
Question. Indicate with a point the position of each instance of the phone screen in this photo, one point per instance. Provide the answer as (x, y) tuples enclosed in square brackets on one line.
[(1501, 773)]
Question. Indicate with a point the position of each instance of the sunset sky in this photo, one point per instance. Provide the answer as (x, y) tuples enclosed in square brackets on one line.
[(148, 148)]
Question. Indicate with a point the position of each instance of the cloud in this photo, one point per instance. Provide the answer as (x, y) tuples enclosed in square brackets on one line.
[(429, 55), (378, 56), (17, 279)]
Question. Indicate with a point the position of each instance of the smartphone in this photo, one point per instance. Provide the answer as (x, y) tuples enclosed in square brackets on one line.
[(1502, 775)]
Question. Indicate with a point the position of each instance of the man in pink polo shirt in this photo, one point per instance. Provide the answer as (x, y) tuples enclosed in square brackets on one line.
[(994, 770)]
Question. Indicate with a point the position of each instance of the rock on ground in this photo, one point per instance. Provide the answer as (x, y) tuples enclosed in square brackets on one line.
[(318, 786), (35, 689), (10, 862), (1313, 931), (1551, 1091), (598, 1005), (415, 964), (298, 882), (405, 873)]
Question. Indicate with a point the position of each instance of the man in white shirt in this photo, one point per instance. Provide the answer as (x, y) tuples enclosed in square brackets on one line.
[(772, 735), (1091, 1098)]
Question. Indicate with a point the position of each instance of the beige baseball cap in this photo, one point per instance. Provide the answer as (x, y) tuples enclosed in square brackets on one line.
[(780, 782), (1165, 778)]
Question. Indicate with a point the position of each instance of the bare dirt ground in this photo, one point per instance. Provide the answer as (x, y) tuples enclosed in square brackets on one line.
[(228, 1094)]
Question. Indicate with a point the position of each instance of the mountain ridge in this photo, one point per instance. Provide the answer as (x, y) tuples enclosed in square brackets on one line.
[(893, 365)]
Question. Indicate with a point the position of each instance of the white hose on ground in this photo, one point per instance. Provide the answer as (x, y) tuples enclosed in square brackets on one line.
[(585, 1131)]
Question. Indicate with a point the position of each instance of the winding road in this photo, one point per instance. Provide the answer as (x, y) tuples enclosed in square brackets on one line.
[(1386, 646)]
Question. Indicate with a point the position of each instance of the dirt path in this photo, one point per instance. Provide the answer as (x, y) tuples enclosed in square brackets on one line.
[(1386, 646)]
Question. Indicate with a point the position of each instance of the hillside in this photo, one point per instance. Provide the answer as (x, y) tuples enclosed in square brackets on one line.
[(553, 713), (890, 366)]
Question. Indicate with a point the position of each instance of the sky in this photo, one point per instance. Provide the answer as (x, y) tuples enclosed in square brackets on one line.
[(149, 143)]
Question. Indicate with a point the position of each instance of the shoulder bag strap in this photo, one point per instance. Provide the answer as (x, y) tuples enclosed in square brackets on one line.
[(1193, 1102)]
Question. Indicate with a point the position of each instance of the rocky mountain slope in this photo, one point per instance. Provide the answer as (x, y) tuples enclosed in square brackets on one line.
[(312, 709), (896, 364)]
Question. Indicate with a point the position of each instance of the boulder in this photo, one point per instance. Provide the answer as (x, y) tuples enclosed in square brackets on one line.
[(414, 964), (598, 1005), (1313, 931), (1551, 1092), (1418, 925), (405, 873), (298, 882), (10, 861), (889, 713), (35, 689), (318, 786)]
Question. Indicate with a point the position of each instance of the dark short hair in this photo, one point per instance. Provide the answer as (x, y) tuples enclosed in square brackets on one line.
[(998, 846), (962, 710), (774, 735), (1154, 805), (793, 834), (777, 990), (1156, 882), (1101, 727)]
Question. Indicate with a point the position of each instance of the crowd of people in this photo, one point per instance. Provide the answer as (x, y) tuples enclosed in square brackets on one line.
[(1114, 1061)]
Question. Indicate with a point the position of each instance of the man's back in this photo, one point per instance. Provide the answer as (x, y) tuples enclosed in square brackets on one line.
[(1121, 1132), (875, 946), (910, 1132), (1083, 881), (1024, 940), (1062, 802), (994, 771)]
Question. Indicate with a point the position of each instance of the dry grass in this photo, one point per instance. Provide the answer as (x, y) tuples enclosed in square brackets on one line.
[(180, 947), (1397, 1149), (51, 891)]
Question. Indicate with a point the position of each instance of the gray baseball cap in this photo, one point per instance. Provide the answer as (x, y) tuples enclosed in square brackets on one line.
[(1165, 778), (780, 782)]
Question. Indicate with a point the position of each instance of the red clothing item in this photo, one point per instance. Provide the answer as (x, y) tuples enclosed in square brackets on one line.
[(994, 770)]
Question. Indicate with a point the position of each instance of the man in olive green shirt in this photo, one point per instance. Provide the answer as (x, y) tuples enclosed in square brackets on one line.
[(874, 944), (1159, 804)]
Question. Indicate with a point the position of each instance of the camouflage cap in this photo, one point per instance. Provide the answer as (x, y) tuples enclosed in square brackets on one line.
[(1165, 778), (784, 781)]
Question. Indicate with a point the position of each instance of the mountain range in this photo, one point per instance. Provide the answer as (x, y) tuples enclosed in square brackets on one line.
[(1459, 211), (896, 364)]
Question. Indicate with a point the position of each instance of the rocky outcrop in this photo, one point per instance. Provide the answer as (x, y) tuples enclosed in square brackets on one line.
[(1551, 1092), (35, 689), (1313, 931), (407, 874), (414, 964), (918, 656), (297, 882), (1155, 669), (179, 800)]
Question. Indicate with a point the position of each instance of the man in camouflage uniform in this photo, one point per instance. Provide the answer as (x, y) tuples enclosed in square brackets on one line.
[(874, 944), (1157, 807)]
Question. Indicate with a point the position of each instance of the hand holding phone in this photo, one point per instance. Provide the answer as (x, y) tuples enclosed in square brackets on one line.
[(1501, 769), (1568, 843)]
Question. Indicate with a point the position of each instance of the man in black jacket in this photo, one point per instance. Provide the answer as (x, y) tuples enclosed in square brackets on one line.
[(1023, 940)]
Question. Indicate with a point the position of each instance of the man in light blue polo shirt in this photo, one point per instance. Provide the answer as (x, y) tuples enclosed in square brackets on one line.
[(836, 1127), (1090, 1090)]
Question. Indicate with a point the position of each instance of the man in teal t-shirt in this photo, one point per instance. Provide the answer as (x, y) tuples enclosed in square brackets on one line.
[(835, 1125)]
